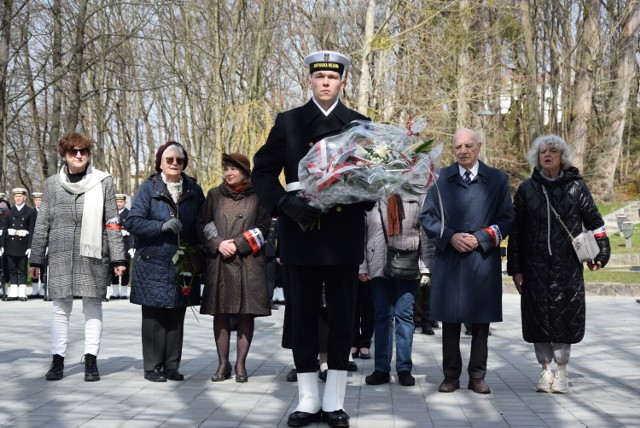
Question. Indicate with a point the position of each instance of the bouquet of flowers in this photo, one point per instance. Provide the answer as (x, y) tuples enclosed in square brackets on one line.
[(367, 162), (184, 268)]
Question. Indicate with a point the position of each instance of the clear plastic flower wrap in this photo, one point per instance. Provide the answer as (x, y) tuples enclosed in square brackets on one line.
[(366, 162)]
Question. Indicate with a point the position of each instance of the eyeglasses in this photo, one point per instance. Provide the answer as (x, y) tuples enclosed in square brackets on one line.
[(171, 160), (74, 152)]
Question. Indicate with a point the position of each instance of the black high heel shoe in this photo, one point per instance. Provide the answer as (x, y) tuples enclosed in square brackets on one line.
[(219, 376), (241, 378)]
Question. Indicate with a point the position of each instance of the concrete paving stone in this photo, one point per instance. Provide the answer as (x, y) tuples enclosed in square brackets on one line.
[(604, 374)]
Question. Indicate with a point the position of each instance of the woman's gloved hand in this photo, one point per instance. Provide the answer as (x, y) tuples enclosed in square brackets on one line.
[(172, 225)]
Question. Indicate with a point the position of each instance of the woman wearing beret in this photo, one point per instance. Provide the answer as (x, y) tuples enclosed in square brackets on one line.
[(78, 222), (162, 218), (233, 227), (542, 261)]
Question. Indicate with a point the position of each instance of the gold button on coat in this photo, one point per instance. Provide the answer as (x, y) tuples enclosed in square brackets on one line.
[(339, 209)]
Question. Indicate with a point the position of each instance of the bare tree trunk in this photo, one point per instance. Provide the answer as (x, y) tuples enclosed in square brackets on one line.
[(7, 11), (588, 53), (605, 168), (76, 68), (58, 72), (532, 117), (463, 115), (365, 73)]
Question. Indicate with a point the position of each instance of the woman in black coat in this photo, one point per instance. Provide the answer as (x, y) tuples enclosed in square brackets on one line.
[(542, 261)]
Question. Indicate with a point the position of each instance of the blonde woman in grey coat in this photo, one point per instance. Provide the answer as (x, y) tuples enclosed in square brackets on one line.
[(78, 223)]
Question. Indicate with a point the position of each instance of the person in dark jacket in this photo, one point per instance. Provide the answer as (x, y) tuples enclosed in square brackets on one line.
[(395, 223), (120, 285), (18, 233), (5, 207), (467, 274), (162, 219), (315, 248), (232, 227), (542, 261)]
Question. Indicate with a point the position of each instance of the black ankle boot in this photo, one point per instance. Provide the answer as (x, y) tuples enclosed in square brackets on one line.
[(90, 368), (56, 369)]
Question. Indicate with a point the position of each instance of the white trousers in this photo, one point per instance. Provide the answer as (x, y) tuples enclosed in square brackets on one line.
[(60, 314)]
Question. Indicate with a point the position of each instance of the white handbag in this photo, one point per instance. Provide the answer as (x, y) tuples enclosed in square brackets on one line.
[(584, 244)]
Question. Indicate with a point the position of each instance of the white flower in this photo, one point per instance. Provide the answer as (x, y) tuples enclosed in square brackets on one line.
[(381, 151)]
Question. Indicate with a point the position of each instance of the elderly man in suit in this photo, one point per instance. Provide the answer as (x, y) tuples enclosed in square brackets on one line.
[(315, 247), (475, 215)]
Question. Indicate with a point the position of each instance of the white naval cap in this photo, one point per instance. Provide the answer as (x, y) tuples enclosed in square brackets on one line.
[(327, 60), (36, 195), (19, 191), (121, 197)]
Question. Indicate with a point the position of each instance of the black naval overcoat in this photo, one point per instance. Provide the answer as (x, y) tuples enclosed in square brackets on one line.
[(22, 220), (338, 237)]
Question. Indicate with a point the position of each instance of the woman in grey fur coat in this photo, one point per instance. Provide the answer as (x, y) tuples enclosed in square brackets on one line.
[(78, 224)]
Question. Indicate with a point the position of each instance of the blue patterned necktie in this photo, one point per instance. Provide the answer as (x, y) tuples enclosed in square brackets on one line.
[(467, 177)]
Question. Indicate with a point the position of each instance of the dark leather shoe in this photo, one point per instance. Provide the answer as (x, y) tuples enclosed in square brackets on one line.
[(377, 378), (428, 330), (405, 378), (57, 368), (302, 419), (292, 376), (322, 375), (434, 324), (241, 377), (352, 367), (449, 384), (365, 355), (338, 418), (221, 375), (479, 386), (155, 375), (91, 373), (173, 374)]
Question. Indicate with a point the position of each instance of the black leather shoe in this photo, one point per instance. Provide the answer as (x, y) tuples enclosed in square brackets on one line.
[(57, 368), (221, 375), (352, 367), (449, 384), (292, 376), (405, 378), (91, 373), (434, 324), (428, 330), (479, 386), (365, 355), (302, 419), (173, 374), (338, 418), (377, 378), (155, 375), (241, 377)]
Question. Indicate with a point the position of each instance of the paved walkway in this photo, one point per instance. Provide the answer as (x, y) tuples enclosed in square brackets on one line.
[(604, 374)]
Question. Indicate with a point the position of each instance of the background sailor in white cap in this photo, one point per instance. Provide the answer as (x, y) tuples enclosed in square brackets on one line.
[(5, 206), (119, 287), (18, 230), (38, 286), (312, 255)]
